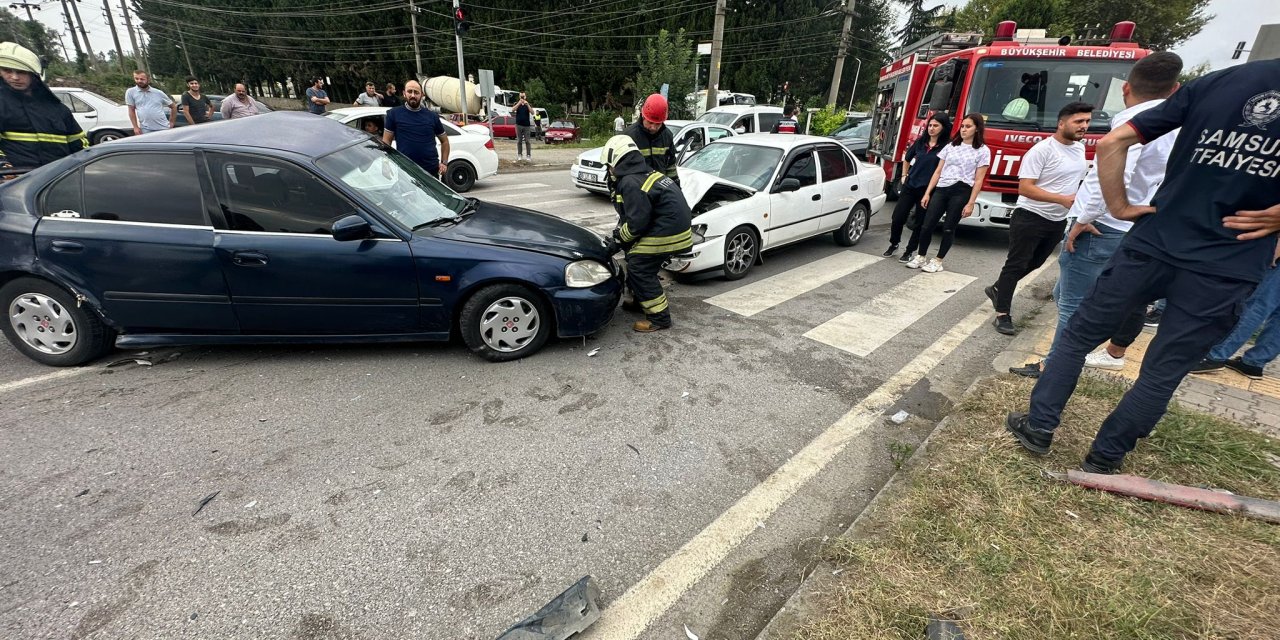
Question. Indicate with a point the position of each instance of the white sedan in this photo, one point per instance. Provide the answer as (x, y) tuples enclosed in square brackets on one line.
[(689, 136), (471, 155), (759, 191)]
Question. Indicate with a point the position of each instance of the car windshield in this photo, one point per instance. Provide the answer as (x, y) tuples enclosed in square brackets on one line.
[(334, 115), (103, 98), (561, 124), (394, 185), (719, 117), (1026, 94), (744, 164), (860, 132)]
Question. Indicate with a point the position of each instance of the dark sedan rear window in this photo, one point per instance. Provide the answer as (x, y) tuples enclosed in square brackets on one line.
[(132, 187)]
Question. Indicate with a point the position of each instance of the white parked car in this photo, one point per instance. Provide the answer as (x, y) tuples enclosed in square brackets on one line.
[(101, 118), (756, 192), (589, 173), (744, 118), (471, 155)]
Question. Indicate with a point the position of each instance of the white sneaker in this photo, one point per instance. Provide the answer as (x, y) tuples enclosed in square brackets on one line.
[(916, 262), (934, 265), (1103, 360)]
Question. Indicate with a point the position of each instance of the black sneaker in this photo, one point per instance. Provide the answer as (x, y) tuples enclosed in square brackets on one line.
[(1004, 324), (1037, 442), (991, 294), (906, 257), (1094, 463), (1029, 370), (892, 248), (1152, 319), (1243, 368), (1208, 365)]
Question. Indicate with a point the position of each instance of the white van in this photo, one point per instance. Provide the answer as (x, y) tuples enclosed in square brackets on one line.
[(744, 118)]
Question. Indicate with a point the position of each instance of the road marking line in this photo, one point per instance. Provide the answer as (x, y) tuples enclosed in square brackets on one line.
[(48, 377), (484, 189), (881, 318), (760, 295), (647, 600), (524, 197), (541, 203)]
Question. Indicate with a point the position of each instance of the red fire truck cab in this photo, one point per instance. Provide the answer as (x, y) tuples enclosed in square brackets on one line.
[(1017, 85)]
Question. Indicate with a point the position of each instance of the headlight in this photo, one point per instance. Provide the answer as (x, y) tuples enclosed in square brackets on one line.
[(585, 273), (700, 234)]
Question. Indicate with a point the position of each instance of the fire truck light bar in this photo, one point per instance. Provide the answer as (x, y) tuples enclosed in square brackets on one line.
[(1122, 32), (1005, 31)]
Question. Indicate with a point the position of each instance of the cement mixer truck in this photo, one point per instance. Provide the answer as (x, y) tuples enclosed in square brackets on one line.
[(443, 90)]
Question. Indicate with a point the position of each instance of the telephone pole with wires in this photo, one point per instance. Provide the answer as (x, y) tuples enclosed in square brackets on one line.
[(71, 28), (133, 41), (84, 33), (413, 24), (27, 6), (115, 37), (844, 49)]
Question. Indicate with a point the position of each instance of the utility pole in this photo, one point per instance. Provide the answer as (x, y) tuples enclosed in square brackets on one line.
[(66, 14), (27, 6), (413, 23), (717, 43), (143, 47), (844, 49), (128, 26), (462, 74), (106, 9), (182, 41), (62, 43), (83, 33)]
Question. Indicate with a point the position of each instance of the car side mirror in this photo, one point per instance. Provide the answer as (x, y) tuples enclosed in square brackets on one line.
[(788, 184), (352, 227)]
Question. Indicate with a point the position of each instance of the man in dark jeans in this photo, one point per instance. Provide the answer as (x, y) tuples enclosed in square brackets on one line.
[(1048, 178), (1205, 250)]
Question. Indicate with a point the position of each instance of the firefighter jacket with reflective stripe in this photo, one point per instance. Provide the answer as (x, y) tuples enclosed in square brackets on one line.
[(654, 218), (659, 150), (36, 129)]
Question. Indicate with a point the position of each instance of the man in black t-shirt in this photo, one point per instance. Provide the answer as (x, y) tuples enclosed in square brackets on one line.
[(1203, 245), (195, 105)]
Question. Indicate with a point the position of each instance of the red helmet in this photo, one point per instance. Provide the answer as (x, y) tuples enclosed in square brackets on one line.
[(655, 108)]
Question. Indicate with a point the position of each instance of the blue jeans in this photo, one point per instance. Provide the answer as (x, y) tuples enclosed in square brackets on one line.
[(1078, 271), (1263, 307), (1201, 311)]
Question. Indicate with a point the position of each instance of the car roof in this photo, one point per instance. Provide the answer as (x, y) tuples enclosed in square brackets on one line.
[(360, 111), (746, 108), (295, 132), (785, 142)]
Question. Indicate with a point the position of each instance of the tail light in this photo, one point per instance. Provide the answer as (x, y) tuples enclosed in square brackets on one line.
[(1122, 32), (488, 144), (1005, 31)]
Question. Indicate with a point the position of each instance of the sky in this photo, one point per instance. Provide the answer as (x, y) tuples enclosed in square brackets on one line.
[(1234, 20)]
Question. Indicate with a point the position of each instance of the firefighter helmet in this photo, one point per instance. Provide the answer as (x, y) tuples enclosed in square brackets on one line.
[(16, 56), (617, 147)]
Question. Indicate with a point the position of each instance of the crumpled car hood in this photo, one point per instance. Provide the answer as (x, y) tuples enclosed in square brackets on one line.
[(696, 184)]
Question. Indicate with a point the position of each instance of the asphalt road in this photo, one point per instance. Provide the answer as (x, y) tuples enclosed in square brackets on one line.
[(419, 492)]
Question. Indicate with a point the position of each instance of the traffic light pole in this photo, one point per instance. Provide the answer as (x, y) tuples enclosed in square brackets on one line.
[(413, 24), (462, 74)]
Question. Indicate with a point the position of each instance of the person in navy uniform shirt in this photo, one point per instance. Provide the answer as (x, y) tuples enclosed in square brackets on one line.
[(1203, 245)]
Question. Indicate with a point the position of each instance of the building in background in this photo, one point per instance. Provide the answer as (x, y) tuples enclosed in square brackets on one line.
[(1267, 45)]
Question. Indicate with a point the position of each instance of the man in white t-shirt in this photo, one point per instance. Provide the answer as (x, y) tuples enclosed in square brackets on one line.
[(1096, 234), (1048, 179)]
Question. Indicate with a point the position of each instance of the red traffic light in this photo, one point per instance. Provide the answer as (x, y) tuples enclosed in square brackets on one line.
[(461, 21)]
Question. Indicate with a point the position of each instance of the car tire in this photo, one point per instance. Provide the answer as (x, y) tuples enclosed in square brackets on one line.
[(492, 319), (461, 176), (100, 137), (34, 311), (854, 226), (741, 251)]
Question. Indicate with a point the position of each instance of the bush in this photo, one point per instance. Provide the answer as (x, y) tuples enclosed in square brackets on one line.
[(826, 120), (598, 124)]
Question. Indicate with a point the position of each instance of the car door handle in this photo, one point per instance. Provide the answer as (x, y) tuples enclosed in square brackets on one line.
[(816, 196), (249, 258), (67, 246), (853, 188), (91, 115)]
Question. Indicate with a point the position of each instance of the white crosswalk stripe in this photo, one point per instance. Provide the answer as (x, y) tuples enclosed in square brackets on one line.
[(515, 197), (770, 292), (523, 186), (877, 321)]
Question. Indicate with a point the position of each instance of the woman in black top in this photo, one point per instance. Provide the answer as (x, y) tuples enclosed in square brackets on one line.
[(922, 160)]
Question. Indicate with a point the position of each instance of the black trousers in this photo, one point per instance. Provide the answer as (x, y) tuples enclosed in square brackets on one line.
[(642, 279), (948, 202), (1201, 311), (1032, 240), (908, 202)]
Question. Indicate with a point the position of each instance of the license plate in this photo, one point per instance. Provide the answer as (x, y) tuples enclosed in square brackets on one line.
[(587, 177)]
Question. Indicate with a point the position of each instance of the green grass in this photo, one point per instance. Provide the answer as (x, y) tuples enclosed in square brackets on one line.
[(982, 535)]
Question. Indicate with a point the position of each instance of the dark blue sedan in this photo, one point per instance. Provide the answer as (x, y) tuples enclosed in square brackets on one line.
[(284, 228)]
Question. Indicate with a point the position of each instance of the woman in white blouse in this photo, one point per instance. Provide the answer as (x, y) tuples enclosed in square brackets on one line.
[(952, 191)]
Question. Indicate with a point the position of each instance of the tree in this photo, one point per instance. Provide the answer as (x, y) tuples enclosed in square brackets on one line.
[(668, 59), (1161, 24), (1188, 75), (920, 23), (31, 34)]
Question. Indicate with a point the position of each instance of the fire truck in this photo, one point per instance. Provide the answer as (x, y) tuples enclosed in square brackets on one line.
[(1018, 84)]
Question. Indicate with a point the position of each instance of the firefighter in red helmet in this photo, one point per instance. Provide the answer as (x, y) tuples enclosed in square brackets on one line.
[(654, 139)]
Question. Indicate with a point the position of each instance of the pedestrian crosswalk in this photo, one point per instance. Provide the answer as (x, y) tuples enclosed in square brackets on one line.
[(760, 295), (878, 320)]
